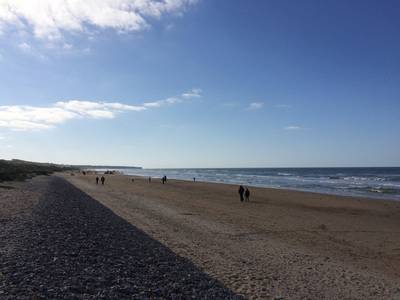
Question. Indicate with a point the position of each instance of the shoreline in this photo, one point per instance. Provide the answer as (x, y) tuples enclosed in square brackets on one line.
[(322, 193), (287, 191), (281, 243)]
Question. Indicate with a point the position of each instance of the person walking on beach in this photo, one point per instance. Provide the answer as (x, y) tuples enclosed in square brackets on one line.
[(97, 179), (102, 180), (241, 193), (247, 195), (149, 179), (164, 179)]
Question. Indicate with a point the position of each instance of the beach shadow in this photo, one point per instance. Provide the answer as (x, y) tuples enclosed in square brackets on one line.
[(77, 248), (7, 187)]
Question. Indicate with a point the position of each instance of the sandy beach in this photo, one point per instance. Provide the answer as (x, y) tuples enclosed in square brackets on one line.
[(56, 242), (288, 244)]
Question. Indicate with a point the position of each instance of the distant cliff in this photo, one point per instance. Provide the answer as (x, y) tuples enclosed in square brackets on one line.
[(105, 167)]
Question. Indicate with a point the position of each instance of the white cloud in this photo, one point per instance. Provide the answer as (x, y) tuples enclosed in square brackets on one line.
[(25, 47), (29, 50), (2, 138), (28, 117), (255, 105), (97, 109), (193, 93), (67, 46), (50, 19), (292, 128), (24, 117), (169, 27)]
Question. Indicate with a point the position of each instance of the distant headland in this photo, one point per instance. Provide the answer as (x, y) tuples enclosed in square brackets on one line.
[(104, 167)]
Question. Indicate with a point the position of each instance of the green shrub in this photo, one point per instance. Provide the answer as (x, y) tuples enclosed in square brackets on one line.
[(20, 170)]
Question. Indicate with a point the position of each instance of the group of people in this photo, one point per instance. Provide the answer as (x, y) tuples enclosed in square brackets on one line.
[(102, 179), (244, 194)]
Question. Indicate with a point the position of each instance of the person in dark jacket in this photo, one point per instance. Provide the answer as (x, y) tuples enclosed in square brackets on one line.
[(247, 195), (102, 180), (97, 180), (241, 193)]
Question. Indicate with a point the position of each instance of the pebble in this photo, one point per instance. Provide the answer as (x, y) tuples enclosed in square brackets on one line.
[(72, 247)]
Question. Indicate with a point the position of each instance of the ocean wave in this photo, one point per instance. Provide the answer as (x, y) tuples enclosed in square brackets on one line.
[(379, 190), (378, 183)]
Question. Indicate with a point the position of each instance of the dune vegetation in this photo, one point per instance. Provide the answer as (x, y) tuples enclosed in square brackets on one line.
[(20, 170)]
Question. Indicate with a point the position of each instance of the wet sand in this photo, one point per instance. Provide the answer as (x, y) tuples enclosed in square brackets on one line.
[(280, 244)]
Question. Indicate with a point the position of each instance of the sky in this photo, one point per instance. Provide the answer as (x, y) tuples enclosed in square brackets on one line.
[(201, 83)]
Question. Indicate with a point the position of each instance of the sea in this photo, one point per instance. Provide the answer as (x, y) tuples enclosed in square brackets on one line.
[(381, 183)]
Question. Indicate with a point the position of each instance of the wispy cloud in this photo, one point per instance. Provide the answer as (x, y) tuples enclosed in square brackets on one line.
[(25, 117), (24, 47), (30, 117), (255, 105), (51, 19), (97, 110), (29, 50), (159, 103), (293, 127), (193, 93)]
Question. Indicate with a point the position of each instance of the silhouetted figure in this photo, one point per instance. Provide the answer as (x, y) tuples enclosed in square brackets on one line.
[(97, 180), (102, 180), (194, 179), (247, 195), (164, 179), (133, 179), (83, 172), (241, 193), (149, 179)]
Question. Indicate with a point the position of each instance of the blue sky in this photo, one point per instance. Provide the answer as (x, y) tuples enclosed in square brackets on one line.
[(186, 83)]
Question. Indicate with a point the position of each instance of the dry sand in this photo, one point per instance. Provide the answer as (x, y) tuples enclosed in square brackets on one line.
[(56, 242), (288, 244)]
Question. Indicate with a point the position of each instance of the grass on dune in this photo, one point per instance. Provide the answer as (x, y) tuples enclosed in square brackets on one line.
[(11, 170)]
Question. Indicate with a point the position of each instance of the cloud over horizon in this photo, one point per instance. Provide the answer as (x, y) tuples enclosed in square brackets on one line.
[(255, 105), (26, 117), (293, 127), (51, 19)]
